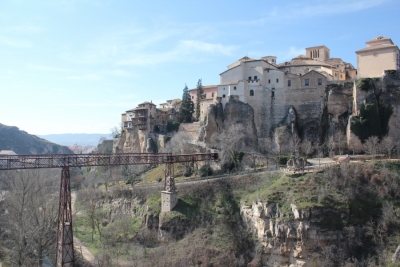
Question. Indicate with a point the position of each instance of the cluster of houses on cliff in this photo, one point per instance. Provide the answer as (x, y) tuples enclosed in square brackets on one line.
[(249, 79)]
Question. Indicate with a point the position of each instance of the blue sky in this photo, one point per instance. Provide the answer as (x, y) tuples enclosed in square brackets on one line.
[(71, 66)]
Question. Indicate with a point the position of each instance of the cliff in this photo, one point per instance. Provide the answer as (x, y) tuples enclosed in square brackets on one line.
[(11, 138)]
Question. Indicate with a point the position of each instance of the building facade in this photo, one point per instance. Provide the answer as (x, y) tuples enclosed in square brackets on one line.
[(380, 54)]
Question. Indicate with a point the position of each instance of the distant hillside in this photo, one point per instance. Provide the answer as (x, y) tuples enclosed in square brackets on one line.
[(72, 139), (11, 138)]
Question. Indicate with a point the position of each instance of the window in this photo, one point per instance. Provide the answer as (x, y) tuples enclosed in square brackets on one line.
[(224, 88), (319, 81), (234, 88), (212, 94), (307, 82), (269, 80), (277, 80), (251, 93), (255, 77), (272, 94), (223, 96), (289, 83), (250, 78), (192, 97)]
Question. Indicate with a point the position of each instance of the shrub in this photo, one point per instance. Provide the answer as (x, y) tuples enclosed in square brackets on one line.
[(172, 126), (205, 171)]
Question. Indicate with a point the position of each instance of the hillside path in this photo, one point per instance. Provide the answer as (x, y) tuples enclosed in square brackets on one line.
[(86, 254)]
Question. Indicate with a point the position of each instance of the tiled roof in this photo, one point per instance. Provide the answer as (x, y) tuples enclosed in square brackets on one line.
[(300, 62), (334, 60), (377, 47), (147, 102), (137, 109)]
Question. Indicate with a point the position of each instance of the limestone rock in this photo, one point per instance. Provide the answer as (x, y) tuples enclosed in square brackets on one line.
[(353, 142)]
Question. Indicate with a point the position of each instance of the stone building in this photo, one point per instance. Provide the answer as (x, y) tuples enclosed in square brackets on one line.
[(142, 116), (271, 91), (318, 58), (147, 117), (210, 97), (380, 54)]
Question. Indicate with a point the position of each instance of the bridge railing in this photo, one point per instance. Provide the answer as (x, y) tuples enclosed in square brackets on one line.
[(12, 162)]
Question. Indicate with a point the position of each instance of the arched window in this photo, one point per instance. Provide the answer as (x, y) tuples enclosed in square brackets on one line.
[(251, 93)]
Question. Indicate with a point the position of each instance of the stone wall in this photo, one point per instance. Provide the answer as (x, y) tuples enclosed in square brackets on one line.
[(190, 128)]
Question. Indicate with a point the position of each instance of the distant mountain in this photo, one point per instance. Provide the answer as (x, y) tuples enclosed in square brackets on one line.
[(75, 139), (12, 138)]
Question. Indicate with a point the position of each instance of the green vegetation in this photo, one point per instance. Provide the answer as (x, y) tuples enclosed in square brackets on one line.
[(200, 96), (172, 126), (373, 121), (368, 84), (187, 107), (22, 143)]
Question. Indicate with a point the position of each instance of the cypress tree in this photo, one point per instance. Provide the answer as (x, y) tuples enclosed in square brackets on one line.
[(187, 107), (200, 96)]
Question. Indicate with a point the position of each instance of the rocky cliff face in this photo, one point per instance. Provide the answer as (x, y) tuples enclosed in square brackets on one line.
[(219, 119), (301, 240)]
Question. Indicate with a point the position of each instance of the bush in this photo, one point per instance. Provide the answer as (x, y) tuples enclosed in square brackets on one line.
[(187, 172), (172, 126), (205, 171)]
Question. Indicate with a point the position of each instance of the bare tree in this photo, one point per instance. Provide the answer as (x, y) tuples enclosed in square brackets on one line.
[(281, 138), (340, 140), (230, 143), (388, 145), (31, 213), (371, 146), (331, 145), (265, 146), (307, 148), (180, 143)]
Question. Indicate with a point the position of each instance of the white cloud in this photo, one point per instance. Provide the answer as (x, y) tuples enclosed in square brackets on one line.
[(46, 68), (327, 8), (119, 73), (183, 51), (89, 77), (18, 43)]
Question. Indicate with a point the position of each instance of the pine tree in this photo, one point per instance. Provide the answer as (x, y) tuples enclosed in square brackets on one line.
[(187, 107), (200, 96)]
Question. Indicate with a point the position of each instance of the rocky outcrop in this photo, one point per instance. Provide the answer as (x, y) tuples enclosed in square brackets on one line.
[(212, 123), (133, 140), (300, 239), (218, 119)]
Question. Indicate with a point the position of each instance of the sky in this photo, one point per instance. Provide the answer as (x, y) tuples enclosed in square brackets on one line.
[(74, 66)]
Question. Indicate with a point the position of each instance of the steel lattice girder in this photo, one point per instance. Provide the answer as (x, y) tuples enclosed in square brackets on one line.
[(81, 160)]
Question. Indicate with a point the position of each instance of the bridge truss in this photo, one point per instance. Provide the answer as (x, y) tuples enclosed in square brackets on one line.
[(65, 246)]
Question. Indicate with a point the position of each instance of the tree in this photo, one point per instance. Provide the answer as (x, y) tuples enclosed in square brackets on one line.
[(307, 148), (230, 142), (200, 96), (187, 107), (371, 146), (388, 145), (340, 140), (115, 132), (281, 137), (331, 145), (32, 210)]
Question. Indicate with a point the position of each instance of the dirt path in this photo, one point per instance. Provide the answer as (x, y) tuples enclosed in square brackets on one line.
[(86, 254)]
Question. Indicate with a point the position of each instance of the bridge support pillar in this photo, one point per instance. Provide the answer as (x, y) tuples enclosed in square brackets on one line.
[(65, 238), (168, 200)]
